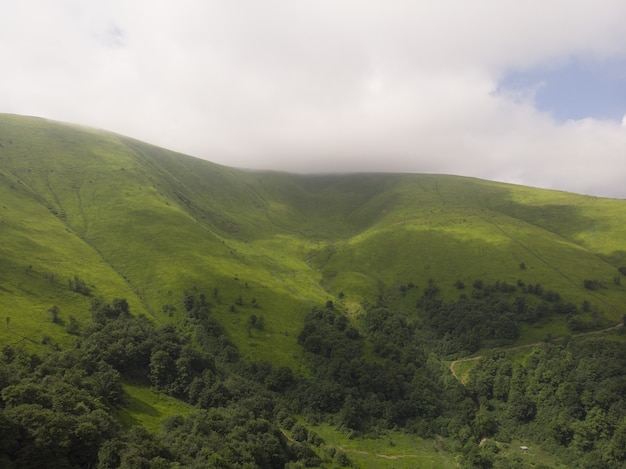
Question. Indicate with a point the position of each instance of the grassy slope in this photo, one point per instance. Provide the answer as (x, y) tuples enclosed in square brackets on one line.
[(391, 450), (146, 223), (148, 408), (449, 228), (41, 250)]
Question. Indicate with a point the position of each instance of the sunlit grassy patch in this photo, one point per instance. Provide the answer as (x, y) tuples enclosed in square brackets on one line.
[(391, 449), (147, 408)]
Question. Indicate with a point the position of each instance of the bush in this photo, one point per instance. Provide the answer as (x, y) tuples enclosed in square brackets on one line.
[(299, 433), (592, 284), (79, 286)]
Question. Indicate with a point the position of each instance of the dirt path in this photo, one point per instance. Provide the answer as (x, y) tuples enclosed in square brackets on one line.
[(454, 363), (534, 344), (384, 456)]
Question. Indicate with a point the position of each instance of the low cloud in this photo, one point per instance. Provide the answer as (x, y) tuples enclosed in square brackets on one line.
[(320, 86)]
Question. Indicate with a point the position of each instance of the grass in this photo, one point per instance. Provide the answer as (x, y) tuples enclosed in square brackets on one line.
[(148, 408), (39, 254), (391, 450), (148, 224), (463, 368)]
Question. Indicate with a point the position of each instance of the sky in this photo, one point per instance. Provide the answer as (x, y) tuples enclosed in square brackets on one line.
[(530, 92)]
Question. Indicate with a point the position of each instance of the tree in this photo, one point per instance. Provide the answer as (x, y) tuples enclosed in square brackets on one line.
[(79, 286), (162, 369), (617, 446), (280, 379), (592, 284), (522, 409), (256, 322), (484, 424), (251, 323), (189, 302), (54, 313), (120, 305), (299, 433), (72, 326)]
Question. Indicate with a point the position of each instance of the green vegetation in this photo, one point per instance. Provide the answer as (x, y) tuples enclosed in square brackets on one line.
[(389, 449), (566, 399), (148, 407), (218, 277), (62, 407)]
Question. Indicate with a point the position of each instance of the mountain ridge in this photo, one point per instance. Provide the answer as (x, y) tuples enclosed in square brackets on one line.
[(159, 223)]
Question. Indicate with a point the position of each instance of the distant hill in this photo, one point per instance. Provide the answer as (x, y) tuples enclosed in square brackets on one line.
[(87, 213)]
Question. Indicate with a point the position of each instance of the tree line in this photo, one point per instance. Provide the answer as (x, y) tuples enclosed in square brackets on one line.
[(384, 371)]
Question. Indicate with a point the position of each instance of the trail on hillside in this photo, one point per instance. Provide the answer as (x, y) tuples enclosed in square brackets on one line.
[(534, 344), (358, 451), (384, 456)]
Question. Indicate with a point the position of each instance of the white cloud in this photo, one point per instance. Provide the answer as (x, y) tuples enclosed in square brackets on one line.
[(322, 85)]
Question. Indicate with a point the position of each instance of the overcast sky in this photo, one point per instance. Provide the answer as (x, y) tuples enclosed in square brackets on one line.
[(530, 92)]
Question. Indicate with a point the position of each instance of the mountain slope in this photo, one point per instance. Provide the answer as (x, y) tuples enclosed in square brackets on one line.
[(136, 221)]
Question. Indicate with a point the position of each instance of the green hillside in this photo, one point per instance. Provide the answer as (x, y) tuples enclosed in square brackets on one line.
[(139, 221), (320, 313)]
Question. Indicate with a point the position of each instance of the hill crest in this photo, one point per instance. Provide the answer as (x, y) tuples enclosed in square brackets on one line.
[(130, 219)]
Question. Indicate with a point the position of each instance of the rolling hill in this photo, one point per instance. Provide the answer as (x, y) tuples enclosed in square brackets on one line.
[(305, 319), (132, 220)]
